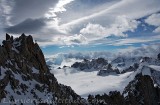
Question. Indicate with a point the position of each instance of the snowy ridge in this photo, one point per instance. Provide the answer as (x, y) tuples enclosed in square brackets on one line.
[(26, 89)]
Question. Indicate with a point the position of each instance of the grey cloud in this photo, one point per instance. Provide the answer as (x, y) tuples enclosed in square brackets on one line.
[(42, 40), (23, 9), (76, 41), (27, 26)]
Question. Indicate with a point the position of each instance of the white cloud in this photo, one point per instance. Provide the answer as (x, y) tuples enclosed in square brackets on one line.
[(93, 31), (131, 8), (60, 5), (58, 8), (64, 40), (115, 19), (82, 55), (126, 41), (91, 40), (151, 50), (117, 28), (74, 40), (5, 9), (154, 20)]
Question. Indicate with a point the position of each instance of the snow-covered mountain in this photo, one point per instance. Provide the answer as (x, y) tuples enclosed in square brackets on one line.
[(93, 64), (24, 74), (25, 77), (121, 80), (142, 87), (124, 62)]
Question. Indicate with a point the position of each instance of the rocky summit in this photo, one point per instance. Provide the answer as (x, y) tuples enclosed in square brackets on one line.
[(25, 77)]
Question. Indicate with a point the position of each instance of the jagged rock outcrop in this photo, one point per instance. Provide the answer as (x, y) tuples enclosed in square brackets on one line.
[(123, 62), (141, 91), (25, 75), (131, 68), (101, 65), (94, 64), (107, 71)]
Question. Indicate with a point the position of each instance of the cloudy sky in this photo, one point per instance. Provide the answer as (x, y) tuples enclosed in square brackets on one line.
[(83, 25)]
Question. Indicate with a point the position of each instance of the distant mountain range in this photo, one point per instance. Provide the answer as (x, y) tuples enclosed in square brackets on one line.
[(143, 81)]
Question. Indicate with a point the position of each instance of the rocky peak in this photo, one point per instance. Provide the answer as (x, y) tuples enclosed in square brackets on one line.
[(94, 64), (108, 70), (26, 48), (24, 74)]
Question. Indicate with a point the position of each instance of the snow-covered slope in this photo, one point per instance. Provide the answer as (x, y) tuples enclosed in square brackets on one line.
[(85, 83)]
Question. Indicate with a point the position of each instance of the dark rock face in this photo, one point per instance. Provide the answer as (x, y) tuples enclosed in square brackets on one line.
[(125, 62), (140, 91), (93, 64), (24, 74), (114, 98), (109, 70), (101, 65), (131, 68), (158, 56)]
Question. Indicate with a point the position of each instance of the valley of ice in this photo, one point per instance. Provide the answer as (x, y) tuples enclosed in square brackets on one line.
[(88, 82), (85, 83)]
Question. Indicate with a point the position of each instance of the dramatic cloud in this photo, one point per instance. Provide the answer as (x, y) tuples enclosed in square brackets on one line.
[(23, 9), (27, 26), (24, 16), (79, 22)]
